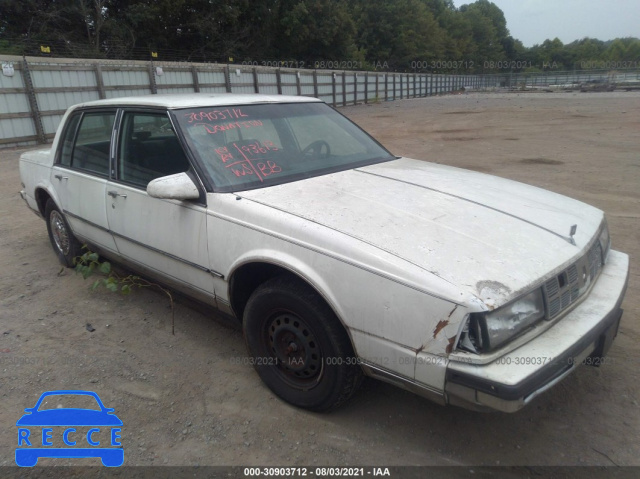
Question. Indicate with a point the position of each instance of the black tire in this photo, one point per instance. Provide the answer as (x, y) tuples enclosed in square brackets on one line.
[(65, 245), (298, 346)]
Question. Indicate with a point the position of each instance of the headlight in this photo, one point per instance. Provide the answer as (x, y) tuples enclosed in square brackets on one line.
[(488, 331), (605, 241)]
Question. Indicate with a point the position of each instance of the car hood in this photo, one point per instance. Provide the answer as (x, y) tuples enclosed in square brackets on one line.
[(486, 235)]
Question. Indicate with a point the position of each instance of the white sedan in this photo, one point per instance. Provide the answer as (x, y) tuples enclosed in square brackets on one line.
[(340, 259)]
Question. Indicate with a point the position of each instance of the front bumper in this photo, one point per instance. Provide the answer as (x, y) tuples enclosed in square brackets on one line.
[(514, 379)]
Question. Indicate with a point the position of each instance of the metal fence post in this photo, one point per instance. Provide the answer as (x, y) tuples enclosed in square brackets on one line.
[(394, 86), (366, 88), (256, 83), (333, 87), (386, 87), (355, 88), (315, 83), (227, 78), (279, 81), (33, 101), (152, 79), (194, 77), (298, 84), (344, 88), (97, 68)]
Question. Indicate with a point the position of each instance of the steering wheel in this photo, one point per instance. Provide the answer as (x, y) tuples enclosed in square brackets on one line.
[(315, 150)]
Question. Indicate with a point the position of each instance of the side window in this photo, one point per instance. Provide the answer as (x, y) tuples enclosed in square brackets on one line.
[(67, 140), (149, 149), (91, 149)]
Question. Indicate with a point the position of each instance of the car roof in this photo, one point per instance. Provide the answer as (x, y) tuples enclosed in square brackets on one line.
[(193, 100)]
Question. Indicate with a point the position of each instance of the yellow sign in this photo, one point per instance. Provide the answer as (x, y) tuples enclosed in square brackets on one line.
[(230, 59), (44, 49), (154, 54)]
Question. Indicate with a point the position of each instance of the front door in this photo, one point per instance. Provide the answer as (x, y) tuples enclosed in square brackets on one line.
[(169, 237)]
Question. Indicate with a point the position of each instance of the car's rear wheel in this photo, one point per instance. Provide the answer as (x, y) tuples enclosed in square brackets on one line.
[(298, 346), (65, 245)]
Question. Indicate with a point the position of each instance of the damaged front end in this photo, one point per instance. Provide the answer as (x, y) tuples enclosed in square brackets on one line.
[(504, 357), (488, 331)]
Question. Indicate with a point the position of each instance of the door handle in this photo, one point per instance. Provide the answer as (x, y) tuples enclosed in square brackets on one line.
[(60, 177), (115, 194)]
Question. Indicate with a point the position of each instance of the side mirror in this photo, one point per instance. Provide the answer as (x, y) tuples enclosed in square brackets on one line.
[(173, 187)]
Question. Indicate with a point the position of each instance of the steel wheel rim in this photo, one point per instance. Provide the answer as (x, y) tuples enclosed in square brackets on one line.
[(59, 232), (295, 348)]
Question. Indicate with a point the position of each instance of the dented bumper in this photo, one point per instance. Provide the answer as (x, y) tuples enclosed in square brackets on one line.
[(511, 381)]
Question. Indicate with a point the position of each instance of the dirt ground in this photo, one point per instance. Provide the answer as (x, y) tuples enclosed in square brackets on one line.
[(189, 400)]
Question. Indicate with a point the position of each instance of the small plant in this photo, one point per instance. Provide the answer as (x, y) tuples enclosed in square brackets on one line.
[(90, 263)]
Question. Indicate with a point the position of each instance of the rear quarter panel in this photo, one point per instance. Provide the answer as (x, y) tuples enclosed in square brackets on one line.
[(35, 172)]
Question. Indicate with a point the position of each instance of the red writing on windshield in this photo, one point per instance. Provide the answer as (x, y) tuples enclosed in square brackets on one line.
[(226, 114), (243, 160), (213, 129)]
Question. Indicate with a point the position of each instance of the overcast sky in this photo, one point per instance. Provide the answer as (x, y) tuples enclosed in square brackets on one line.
[(534, 21)]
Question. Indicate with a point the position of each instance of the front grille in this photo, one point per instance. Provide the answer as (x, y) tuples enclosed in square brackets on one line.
[(566, 288)]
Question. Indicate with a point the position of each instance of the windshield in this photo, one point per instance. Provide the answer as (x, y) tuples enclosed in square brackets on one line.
[(251, 146)]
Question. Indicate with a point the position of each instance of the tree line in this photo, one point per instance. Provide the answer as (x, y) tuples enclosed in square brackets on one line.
[(401, 35)]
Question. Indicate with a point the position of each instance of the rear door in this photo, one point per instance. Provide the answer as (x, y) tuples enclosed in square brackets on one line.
[(169, 237), (80, 175)]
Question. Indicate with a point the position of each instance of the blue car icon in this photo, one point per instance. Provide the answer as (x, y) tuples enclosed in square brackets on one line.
[(32, 446)]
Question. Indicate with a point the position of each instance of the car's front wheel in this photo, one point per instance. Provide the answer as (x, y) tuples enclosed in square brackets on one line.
[(64, 243), (298, 346)]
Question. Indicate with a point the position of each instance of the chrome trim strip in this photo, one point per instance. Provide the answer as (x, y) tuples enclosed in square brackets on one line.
[(90, 223), (407, 384), (166, 280)]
